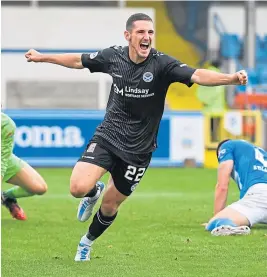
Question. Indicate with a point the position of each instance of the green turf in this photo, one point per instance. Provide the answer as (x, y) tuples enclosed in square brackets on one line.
[(153, 235)]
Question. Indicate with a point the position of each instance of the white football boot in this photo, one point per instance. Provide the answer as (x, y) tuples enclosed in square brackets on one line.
[(86, 206), (226, 230), (83, 250)]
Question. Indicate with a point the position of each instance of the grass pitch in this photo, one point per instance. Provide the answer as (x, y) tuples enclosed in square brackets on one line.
[(157, 233)]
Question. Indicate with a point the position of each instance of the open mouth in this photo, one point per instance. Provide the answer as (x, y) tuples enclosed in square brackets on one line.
[(144, 45)]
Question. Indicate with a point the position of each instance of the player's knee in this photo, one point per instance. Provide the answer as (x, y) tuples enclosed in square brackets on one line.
[(40, 188), (79, 189), (76, 190)]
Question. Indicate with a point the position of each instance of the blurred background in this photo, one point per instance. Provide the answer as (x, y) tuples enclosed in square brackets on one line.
[(57, 109)]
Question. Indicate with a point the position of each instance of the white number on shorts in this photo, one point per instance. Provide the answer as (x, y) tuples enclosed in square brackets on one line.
[(140, 174), (131, 173), (260, 157)]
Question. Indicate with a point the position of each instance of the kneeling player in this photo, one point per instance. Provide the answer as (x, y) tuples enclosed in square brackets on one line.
[(17, 172), (247, 165)]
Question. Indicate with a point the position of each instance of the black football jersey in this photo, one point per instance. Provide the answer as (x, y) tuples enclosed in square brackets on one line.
[(137, 96)]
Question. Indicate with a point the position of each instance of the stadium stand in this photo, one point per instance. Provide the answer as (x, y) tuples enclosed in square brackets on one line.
[(254, 95)]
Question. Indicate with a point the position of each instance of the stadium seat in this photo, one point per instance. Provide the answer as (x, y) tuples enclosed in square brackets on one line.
[(253, 78), (230, 46), (265, 43), (261, 65), (259, 48), (240, 89), (262, 75)]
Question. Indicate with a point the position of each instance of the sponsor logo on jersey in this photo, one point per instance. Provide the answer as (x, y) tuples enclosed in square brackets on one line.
[(148, 77), (132, 92), (183, 65), (136, 90), (93, 55), (117, 90)]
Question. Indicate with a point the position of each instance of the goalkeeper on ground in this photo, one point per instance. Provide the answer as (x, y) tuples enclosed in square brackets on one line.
[(15, 171)]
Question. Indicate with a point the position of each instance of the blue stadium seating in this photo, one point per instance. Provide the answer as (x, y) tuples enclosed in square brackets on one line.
[(263, 76), (261, 52), (230, 46), (240, 89), (265, 42), (253, 78)]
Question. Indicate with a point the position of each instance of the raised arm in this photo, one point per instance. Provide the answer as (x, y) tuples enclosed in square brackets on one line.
[(176, 71), (207, 77), (66, 60)]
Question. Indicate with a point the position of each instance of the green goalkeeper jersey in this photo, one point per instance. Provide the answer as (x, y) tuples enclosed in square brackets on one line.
[(8, 128)]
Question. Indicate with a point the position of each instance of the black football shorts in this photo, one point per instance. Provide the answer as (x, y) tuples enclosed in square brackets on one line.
[(126, 169)]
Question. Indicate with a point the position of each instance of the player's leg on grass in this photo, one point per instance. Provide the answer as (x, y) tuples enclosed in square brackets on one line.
[(233, 215), (229, 222), (85, 183), (237, 218), (27, 182), (104, 217)]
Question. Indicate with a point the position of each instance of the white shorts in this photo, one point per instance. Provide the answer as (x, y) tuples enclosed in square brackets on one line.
[(253, 205)]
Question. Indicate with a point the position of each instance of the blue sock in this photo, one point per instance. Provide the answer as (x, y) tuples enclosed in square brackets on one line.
[(219, 222)]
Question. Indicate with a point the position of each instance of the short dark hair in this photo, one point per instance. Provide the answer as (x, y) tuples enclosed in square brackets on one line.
[(219, 145), (136, 17)]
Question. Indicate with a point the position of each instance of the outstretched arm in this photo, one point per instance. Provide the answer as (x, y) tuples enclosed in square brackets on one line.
[(67, 60), (221, 191), (207, 77)]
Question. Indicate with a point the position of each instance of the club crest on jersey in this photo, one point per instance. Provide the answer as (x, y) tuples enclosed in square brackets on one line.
[(148, 77), (93, 55)]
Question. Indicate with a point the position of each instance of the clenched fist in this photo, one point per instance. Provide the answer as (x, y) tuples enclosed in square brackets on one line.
[(33, 56), (241, 78)]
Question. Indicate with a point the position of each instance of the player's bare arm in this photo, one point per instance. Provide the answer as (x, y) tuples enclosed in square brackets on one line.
[(221, 191), (67, 60), (206, 77)]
